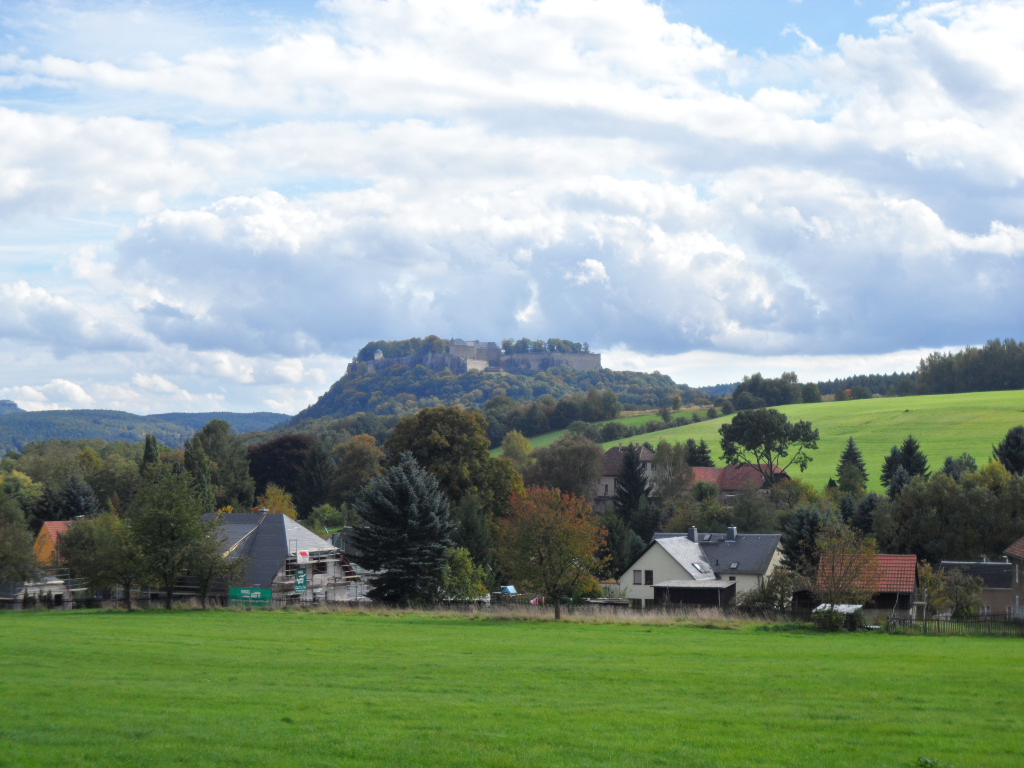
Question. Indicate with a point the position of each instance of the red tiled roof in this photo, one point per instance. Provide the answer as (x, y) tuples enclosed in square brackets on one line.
[(1016, 549), (895, 573), (899, 573), (56, 527), (730, 478)]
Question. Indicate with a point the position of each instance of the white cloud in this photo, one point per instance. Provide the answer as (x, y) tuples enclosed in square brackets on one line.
[(286, 189)]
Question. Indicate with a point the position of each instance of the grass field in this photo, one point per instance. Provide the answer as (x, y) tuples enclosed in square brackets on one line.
[(360, 689), (944, 425)]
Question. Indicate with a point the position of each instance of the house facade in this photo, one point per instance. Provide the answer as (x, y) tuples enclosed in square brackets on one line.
[(700, 569), (611, 468), (1000, 593)]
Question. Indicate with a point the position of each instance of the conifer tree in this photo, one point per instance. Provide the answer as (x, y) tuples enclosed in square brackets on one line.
[(851, 473), (407, 533)]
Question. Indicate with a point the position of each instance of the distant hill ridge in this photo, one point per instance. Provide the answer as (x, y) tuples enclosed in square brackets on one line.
[(400, 377), (18, 427)]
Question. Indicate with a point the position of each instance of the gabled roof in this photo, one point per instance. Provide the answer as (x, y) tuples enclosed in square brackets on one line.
[(266, 539), (898, 573), (892, 573), (733, 477), (611, 462), (689, 556), (1016, 549), (749, 554), (55, 528), (992, 575)]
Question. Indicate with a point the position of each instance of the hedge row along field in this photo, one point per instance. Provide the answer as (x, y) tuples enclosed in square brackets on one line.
[(364, 689)]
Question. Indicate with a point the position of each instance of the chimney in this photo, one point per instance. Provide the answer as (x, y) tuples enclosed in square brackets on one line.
[(692, 534), (731, 533)]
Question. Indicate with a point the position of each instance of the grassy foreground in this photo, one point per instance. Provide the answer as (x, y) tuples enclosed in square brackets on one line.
[(361, 689)]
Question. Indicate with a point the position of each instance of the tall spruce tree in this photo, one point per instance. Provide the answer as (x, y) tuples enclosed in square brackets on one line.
[(908, 456), (407, 533), (631, 486), (1010, 452), (851, 473)]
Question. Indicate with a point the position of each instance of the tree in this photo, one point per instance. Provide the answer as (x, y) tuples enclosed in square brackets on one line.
[(960, 466), (571, 464), (77, 500), (800, 539), (516, 448), (909, 457), (229, 465), (962, 593), (359, 461), (764, 438), (197, 464), (407, 533), (150, 453), (280, 461), (775, 593), (848, 567), (105, 553), (166, 518), (208, 562), (278, 501), (852, 474), (451, 443), (461, 578), (550, 543), (631, 486), (1010, 452), (17, 558), (699, 454), (315, 480)]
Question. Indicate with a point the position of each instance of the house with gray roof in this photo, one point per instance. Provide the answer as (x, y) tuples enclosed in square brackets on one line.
[(696, 568), (285, 556), (1000, 580)]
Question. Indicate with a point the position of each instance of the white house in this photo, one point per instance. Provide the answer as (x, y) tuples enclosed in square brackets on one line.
[(700, 569)]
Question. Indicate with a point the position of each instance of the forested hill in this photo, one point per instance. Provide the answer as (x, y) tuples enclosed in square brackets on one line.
[(18, 428), (402, 389)]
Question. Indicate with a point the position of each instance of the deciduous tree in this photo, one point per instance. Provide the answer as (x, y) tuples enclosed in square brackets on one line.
[(550, 543), (766, 440), (17, 559)]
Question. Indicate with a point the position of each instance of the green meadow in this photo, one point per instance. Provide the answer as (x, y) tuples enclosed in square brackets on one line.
[(944, 425), (412, 689)]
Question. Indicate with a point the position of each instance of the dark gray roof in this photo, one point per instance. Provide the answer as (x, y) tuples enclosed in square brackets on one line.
[(749, 553), (266, 540), (992, 575)]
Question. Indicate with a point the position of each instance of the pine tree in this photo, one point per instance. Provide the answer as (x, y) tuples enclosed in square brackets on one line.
[(852, 474), (150, 454), (631, 486), (78, 500), (1010, 452), (915, 462), (407, 533), (698, 454)]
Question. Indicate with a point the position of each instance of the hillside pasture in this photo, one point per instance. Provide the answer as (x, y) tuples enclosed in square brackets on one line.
[(944, 425), (362, 689)]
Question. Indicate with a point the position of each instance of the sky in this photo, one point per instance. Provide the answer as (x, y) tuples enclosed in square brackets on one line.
[(210, 205)]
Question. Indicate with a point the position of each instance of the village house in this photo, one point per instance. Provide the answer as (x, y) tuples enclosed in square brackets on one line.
[(1000, 593), (611, 468), (695, 568)]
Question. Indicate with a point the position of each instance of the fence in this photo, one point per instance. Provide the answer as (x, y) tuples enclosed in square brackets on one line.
[(961, 627)]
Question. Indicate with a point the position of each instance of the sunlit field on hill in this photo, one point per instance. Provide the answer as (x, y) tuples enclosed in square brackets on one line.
[(944, 425), (360, 689)]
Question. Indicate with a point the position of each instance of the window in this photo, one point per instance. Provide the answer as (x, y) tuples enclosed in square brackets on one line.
[(734, 566), (649, 578), (638, 577), (732, 578), (699, 568)]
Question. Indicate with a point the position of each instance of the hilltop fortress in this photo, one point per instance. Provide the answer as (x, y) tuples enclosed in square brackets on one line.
[(461, 356)]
